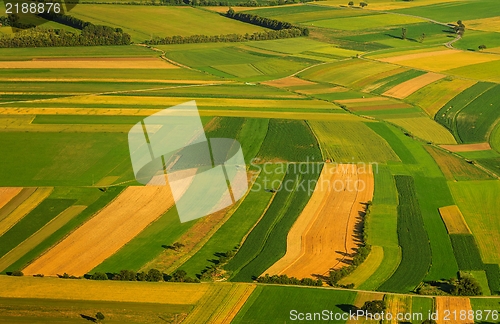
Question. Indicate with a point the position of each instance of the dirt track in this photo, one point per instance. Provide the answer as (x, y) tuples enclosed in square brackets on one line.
[(324, 235), (100, 237)]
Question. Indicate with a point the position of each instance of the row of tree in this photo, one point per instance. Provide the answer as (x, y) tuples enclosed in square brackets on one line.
[(91, 35), (265, 22), (266, 35), (285, 280), (153, 275)]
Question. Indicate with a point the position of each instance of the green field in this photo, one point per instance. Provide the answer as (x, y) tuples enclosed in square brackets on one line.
[(289, 140), (169, 21), (466, 252), (413, 239), (351, 141), (38, 159), (266, 303)]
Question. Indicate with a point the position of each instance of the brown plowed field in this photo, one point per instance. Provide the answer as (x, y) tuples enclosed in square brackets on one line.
[(105, 233), (324, 237)]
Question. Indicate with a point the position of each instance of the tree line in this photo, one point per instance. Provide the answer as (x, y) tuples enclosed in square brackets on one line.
[(265, 22), (91, 35), (285, 280), (266, 35)]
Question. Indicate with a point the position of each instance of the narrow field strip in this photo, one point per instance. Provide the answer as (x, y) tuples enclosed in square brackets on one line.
[(337, 115), (467, 147), (449, 305), (406, 88), (97, 63), (24, 209), (364, 271), (100, 237), (454, 220), (326, 228), (17, 200), (7, 193), (37, 238), (221, 307), (124, 291), (288, 82)]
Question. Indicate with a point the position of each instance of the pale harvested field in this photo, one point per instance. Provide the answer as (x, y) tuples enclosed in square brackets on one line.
[(486, 24), (467, 147), (288, 82), (104, 234), (125, 291), (398, 304), (95, 63), (452, 304), (454, 220), (406, 88), (322, 90), (16, 201), (221, 305), (361, 100), (114, 80), (415, 56), (24, 209), (454, 59), (7, 193), (37, 238), (327, 224)]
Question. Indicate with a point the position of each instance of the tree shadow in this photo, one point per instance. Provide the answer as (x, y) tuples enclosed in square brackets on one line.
[(89, 318), (348, 308)]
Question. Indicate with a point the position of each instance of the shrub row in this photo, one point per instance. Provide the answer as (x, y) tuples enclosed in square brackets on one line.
[(153, 275)]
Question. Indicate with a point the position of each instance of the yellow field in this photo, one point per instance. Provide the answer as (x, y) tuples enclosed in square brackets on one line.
[(37, 238), (366, 269), (397, 304), (123, 291), (91, 63), (486, 24), (393, 54), (425, 128), (24, 209), (452, 304), (406, 88), (220, 304), (23, 123), (431, 98), (7, 193), (438, 62), (325, 230), (454, 220), (104, 234), (412, 55)]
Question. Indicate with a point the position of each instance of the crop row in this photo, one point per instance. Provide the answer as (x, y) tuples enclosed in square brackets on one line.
[(413, 239)]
